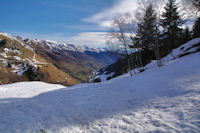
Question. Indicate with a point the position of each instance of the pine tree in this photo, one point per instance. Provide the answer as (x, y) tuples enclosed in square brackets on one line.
[(147, 28), (148, 32), (185, 36), (196, 28), (171, 21)]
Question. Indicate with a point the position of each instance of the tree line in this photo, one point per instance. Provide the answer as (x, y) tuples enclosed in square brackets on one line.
[(151, 32)]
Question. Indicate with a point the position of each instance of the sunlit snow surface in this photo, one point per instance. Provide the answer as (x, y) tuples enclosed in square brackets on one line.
[(165, 99), (26, 89)]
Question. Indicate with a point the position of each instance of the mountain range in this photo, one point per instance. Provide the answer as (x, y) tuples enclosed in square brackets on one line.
[(49, 61)]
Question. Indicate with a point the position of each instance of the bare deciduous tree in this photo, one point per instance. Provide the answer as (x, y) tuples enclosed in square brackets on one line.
[(123, 29)]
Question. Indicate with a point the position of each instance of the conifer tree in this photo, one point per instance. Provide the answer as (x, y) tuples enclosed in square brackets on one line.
[(171, 21), (148, 32), (196, 28), (185, 36)]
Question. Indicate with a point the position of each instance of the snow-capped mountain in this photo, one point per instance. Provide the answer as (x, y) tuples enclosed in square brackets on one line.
[(21, 62), (48, 61), (60, 47), (65, 56)]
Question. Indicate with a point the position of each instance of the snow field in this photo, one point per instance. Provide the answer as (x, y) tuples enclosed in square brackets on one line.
[(166, 99)]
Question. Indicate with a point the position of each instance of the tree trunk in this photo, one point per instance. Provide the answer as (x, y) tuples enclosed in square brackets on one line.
[(140, 60), (128, 59)]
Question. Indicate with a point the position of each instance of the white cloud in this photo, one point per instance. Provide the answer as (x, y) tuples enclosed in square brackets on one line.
[(87, 27), (91, 39), (103, 18)]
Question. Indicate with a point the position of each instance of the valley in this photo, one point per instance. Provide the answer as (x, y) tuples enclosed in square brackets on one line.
[(49, 61)]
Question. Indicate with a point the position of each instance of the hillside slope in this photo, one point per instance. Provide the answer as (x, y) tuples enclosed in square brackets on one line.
[(20, 62), (164, 99)]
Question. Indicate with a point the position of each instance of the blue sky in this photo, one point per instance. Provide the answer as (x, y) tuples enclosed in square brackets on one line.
[(48, 16), (81, 22)]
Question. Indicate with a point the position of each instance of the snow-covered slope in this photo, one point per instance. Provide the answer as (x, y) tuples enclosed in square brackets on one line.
[(165, 99), (189, 47)]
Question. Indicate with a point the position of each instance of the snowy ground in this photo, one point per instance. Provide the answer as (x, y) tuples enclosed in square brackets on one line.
[(165, 99), (26, 89)]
